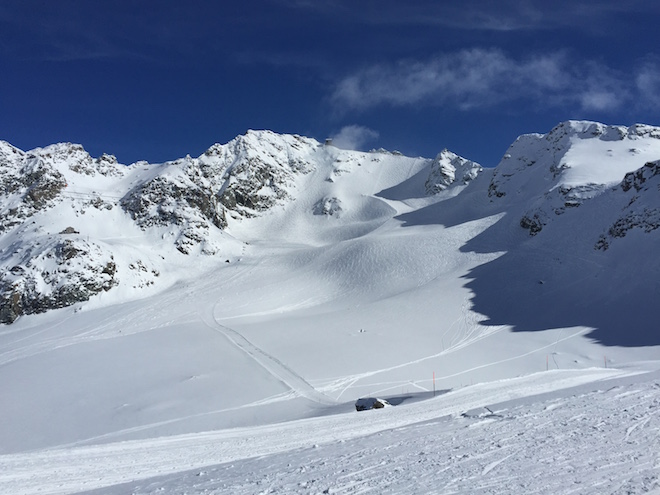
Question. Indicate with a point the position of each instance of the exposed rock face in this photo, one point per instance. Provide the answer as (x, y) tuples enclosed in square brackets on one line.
[(534, 222), (448, 168), (177, 201), (80, 162), (642, 210), (367, 403), (30, 184), (539, 168), (574, 196), (257, 170), (243, 178), (107, 165), (558, 201), (54, 274), (34, 181), (639, 179)]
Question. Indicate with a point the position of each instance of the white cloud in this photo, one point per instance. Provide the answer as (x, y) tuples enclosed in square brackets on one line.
[(482, 78), (353, 137), (648, 82), (599, 100)]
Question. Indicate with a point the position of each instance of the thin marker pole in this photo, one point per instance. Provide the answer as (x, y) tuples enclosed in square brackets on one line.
[(434, 384)]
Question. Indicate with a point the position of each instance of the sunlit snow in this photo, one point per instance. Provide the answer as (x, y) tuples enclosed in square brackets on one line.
[(507, 314)]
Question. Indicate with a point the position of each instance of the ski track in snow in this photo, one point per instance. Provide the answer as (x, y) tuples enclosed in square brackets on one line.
[(468, 333), (270, 363), (468, 338), (596, 438), (135, 320)]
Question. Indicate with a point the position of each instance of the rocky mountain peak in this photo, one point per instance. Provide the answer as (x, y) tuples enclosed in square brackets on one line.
[(255, 171), (448, 168), (574, 162), (9, 154)]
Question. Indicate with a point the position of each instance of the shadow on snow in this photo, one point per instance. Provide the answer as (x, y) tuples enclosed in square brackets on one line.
[(557, 279)]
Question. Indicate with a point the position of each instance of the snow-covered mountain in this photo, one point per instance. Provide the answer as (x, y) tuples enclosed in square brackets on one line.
[(277, 279), (62, 210), (574, 162)]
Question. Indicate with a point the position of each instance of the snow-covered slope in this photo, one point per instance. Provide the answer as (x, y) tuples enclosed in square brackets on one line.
[(574, 162), (576, 191), (91, 218), (275, 278), (557, 432)]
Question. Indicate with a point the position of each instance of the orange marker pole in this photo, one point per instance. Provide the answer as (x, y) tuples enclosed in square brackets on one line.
[(434, 384)]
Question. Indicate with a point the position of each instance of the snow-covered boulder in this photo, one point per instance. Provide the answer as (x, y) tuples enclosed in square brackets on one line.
[(328, 207), (367, 403)]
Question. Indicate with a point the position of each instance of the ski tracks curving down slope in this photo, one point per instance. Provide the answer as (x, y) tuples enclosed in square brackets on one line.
[(270, 363), (500, 434)]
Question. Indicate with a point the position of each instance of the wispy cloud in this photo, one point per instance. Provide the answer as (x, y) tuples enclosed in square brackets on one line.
[(53, 33), (354, 137), (483, 78), (503, 15), (66, 31), (648, 82)]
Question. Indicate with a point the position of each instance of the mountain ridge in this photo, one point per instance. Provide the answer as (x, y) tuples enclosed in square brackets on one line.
[(265, 185), (188, 202)]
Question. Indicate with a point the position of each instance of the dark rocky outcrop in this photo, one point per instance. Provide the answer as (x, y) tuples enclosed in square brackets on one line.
[(77, 270), (32, 185), (641, 210), (161, 201), (534, 222), (638, 179)]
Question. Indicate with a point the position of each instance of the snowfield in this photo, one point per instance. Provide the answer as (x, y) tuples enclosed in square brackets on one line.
[(206, 325), (592, 431)]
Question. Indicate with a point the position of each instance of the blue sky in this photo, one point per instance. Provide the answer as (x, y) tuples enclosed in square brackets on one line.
[(157, 80)]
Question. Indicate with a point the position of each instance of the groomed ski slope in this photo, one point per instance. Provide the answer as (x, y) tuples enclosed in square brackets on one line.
[(588, 431), (280, 334)]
